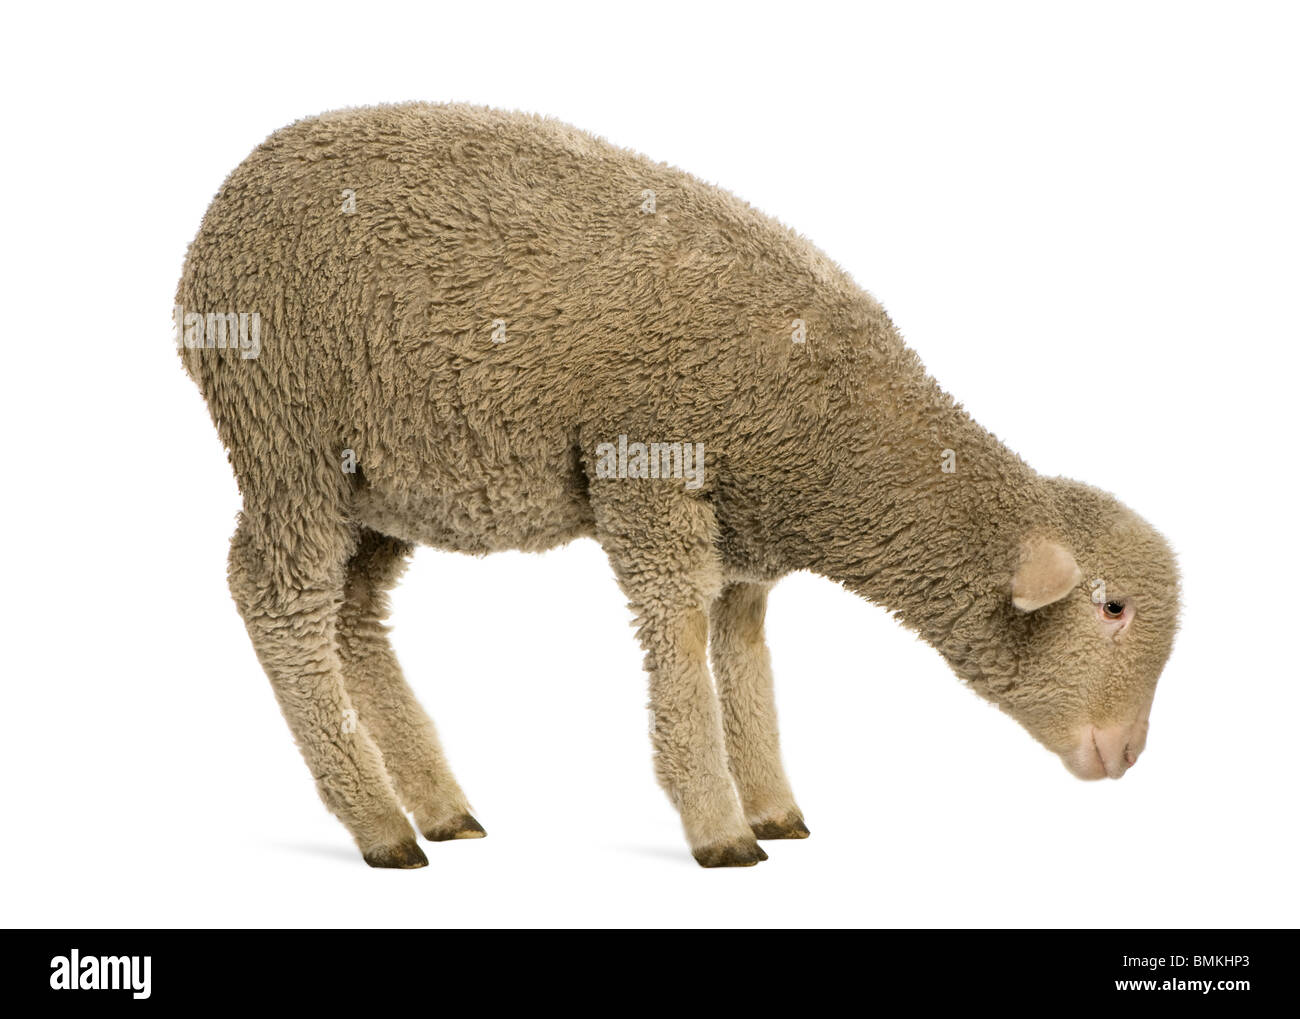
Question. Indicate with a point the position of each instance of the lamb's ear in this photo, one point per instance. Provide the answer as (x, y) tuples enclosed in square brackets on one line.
[(1047, 573)]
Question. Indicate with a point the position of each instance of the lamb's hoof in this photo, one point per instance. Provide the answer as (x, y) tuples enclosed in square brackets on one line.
[(789, 827), (403, 856), (730, 854), (461, 827)]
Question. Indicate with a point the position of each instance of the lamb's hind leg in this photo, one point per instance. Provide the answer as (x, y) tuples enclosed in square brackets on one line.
[(387, 707), (743, 671), (290, 601)]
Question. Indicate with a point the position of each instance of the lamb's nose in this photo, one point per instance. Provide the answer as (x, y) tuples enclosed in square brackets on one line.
[(1118, 748)]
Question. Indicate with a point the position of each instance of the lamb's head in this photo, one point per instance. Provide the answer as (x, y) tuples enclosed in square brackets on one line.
[(1084, 631)]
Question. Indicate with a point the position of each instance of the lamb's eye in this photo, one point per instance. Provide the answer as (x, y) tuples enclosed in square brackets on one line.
[(1113, 609)]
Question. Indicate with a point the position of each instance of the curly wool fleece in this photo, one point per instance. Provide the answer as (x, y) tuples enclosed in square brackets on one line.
[(481, 330)]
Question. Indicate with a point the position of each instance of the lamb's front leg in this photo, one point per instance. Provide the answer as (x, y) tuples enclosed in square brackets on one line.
[(690, 760), (743, 670), (661, 544)]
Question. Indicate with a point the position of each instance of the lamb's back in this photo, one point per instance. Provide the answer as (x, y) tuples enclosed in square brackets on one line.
[(385, 247)]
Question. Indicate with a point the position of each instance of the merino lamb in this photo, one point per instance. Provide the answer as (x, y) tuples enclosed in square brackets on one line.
[(482, 330)]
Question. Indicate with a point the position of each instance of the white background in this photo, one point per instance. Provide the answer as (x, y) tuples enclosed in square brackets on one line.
[(1085, 219)]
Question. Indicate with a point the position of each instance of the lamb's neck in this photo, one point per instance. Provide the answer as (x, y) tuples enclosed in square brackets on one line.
[(924, 514)]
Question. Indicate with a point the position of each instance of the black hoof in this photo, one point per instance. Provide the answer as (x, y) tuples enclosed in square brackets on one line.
[(730, 854), (403, 856), (462, 827), (791, 827)]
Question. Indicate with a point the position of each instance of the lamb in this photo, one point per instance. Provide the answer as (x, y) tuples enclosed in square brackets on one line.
[(474, 330)]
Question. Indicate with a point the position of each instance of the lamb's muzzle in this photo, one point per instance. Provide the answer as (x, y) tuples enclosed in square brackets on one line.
[(1108, 751)]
